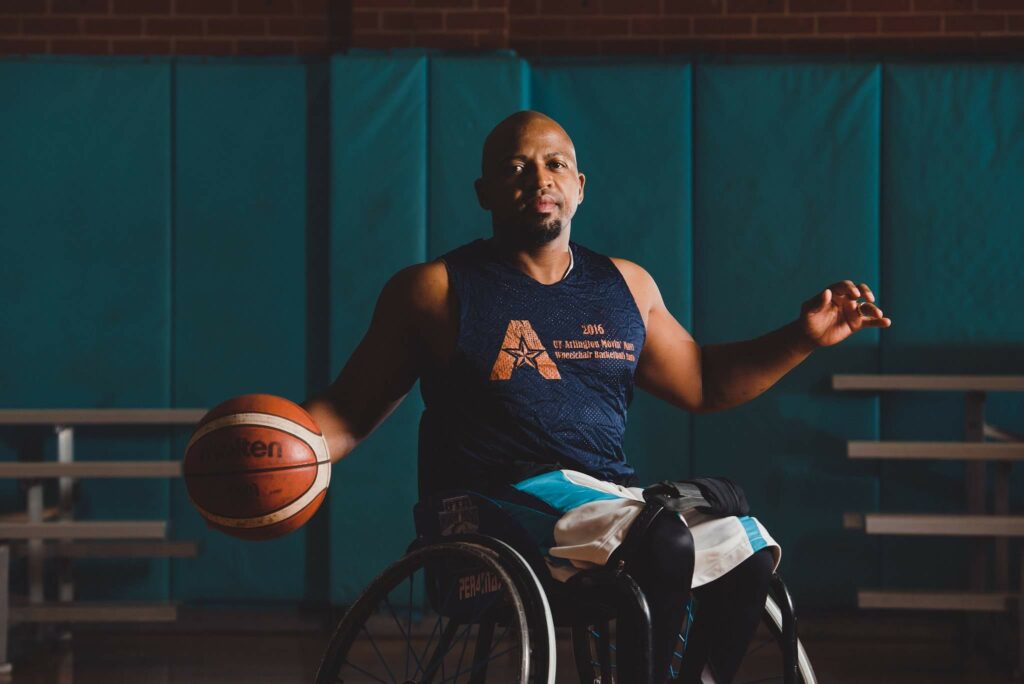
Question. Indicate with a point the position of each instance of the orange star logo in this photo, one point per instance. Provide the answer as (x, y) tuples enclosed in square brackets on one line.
[(523, 355), (521, 348)]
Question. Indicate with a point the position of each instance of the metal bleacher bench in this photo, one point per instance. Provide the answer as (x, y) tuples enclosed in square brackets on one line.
[(978, 522), (52, 534)]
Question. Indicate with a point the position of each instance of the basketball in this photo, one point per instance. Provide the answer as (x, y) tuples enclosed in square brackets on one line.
[(257, 467)]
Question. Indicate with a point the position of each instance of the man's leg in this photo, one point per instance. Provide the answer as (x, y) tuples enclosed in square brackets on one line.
[(728, 611), (663, 568)]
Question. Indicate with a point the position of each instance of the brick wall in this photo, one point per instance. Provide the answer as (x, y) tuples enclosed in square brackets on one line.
[(767, 26), (186, 27), (531, 27)]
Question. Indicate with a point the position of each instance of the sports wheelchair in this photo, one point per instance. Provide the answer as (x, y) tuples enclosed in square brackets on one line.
[(472, 601)]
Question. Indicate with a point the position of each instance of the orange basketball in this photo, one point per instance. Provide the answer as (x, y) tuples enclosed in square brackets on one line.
[(257, 466)]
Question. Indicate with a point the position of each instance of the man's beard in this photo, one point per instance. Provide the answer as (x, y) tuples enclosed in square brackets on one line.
[(532, 235)]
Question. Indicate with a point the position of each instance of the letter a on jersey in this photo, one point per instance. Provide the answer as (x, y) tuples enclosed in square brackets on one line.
[(522, 347)]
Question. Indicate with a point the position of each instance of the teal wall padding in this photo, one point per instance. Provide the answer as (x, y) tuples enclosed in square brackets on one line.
[(239, 287), (85, 226), (161, 214), (468, 96), (378, 226), (631, 127), (786, 203), (952, 251), (85, 175)]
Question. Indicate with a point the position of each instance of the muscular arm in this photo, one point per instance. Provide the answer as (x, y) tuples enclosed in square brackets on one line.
[(737, 372), (385, 365), (714, 377)]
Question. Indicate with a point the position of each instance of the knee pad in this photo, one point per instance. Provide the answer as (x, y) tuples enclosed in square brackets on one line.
[(667, 549)]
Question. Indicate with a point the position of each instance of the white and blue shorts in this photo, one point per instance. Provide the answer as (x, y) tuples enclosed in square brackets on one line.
[(591, 518)]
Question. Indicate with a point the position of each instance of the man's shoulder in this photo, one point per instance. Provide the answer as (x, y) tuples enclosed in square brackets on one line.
[(419, 288), (473, 251), (641, 284), (632, 272)]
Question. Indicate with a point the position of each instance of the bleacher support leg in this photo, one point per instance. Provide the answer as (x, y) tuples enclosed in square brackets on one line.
[(5, 611)]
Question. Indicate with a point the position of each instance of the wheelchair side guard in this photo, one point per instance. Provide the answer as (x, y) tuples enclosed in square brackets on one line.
[(464, 591), (454, 589)]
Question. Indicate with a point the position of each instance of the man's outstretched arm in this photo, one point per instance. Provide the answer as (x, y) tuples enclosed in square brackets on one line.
[(381, 370), (714, 377), (736, 372)]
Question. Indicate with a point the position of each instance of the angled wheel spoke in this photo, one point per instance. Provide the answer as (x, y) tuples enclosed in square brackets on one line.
[(480, 665), (361, 671), (462, 652), (501, 637), (426, 648), (508, 627), (379, 655), (405, 636), (436, 630), (437, 659)]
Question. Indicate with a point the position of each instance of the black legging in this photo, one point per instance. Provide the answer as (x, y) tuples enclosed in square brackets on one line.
[(728, 609)]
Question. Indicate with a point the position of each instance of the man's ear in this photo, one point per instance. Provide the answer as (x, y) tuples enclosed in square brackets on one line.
[(583, 181), (481, 194)]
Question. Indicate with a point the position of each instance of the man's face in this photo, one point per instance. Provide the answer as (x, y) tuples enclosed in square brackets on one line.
[(531, 184)]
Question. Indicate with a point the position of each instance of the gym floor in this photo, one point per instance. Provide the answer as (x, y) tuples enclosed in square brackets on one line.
[(857, 648)]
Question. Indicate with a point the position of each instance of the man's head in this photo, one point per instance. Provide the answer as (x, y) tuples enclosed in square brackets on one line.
[(529, 180)]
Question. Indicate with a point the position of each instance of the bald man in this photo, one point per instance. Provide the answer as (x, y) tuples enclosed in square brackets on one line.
[(528, 346)]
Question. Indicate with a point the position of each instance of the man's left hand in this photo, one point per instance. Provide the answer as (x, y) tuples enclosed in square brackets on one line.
[(837, 312)]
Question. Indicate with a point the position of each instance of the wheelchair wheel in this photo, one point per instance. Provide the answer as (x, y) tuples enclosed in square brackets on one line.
[(447, 612)]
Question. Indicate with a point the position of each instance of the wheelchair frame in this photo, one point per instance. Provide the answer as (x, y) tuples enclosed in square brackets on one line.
[(580, 602)]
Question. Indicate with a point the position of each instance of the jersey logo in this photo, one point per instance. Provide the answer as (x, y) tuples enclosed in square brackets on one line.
[(521, 348)]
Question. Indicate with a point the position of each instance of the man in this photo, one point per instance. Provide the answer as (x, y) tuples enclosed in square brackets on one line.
[(529, 345)]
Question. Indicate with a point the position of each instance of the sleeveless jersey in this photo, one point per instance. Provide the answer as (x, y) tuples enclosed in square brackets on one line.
[(541, 376)]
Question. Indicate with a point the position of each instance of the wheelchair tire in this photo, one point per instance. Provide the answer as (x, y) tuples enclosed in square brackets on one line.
[(461, 596), (773, 619)]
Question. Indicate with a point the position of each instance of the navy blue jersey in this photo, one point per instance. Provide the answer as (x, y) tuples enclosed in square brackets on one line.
[(541, 376)]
